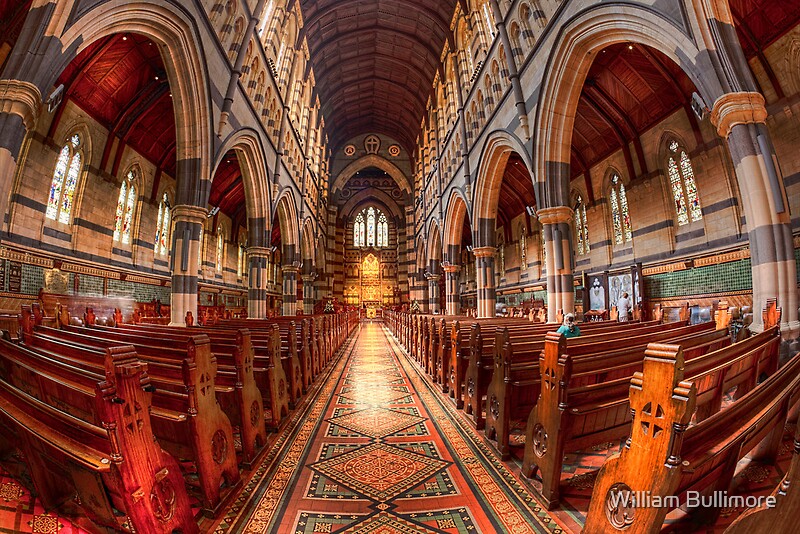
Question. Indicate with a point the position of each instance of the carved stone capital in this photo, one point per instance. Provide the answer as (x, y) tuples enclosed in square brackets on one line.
[(556, 215), (259, 252), (433, 278), (451, 269), (309, 278), (484, 252), (190, 214), (21, 98), (290, 269), (737, 108)]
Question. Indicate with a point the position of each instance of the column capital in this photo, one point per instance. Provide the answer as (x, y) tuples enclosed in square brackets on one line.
[(259, 252), (433, 278), (187, 213), (484, 252), (555, 215), (732, 109), (309, 278), (288, 269), (450, 269), (21, 98)]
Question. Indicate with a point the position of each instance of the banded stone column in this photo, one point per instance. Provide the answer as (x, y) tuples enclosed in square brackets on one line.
[(185, 249), (258, 259), (740, 119), (308, 293), (289, 290), (558, 244), (433, 293), (453, 299), (484, 274), (20, 104)]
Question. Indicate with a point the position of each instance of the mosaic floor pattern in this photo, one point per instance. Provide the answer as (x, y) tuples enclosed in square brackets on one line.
[(377, 451)]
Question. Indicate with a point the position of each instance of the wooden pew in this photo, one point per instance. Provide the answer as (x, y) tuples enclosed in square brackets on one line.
[(575, 417), (268, 371), (191, 423), (108, 465), (602, 355), (666, 457), (241, 398), (783, 512)]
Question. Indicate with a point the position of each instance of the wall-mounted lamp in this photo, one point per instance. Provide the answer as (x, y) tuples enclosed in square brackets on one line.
[(530, 211), (213, 211)]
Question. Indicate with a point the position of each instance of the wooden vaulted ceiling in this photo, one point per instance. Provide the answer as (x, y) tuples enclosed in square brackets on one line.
[(375, 61), (12, 16), (120, 81), (516, 193)]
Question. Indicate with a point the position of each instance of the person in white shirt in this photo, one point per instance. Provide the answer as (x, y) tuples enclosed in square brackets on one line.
[(624, 308)]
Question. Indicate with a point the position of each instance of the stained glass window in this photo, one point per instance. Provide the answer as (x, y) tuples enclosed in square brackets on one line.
[(523, 248), (371, 227), (220, 248), (200, 249), (65, 181), (358, 232), (383, 231), (581, 227), (162, 226), (684, 187), (126, 205), (489, 19), (544, 249), (240, 264)]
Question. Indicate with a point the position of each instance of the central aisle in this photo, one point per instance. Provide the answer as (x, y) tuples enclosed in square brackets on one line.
[(375, 450)]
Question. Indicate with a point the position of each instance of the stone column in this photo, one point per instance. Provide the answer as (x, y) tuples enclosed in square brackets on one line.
[(308, 293), (740, 119), (20, 103), (453, 299), (558, 244), (257, 258), (185, 268), (433, 293), (289, 290), (484, 274)]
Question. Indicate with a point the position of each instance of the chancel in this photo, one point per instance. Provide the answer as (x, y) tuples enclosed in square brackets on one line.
[(300, 266)]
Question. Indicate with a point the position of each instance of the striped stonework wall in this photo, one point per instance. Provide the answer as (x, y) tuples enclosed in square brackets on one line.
[(558, 244), (308, 294), (740, 118), (433, 293), (258, 257), (484, 271), (188, 221), (453, 299), (289, 290)]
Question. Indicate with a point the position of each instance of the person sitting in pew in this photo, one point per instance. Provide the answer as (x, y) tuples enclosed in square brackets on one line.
[(569, 328)]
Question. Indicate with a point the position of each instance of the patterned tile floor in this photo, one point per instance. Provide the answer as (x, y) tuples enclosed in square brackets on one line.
[(377, 451), (374, 449)]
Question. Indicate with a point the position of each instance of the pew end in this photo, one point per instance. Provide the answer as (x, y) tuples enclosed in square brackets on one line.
[(662, 404)]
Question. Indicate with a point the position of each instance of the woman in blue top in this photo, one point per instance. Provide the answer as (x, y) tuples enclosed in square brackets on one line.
[(569, 328)]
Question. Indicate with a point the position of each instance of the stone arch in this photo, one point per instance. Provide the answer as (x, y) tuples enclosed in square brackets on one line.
[(371, 160), (174, 29), (379, 198), (307, 248), (457, 213), (435, 250), (498, 148), (568, 65), (286, 213), (255, 175)]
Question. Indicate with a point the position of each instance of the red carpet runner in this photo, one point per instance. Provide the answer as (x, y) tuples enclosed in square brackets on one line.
[(375, 451)]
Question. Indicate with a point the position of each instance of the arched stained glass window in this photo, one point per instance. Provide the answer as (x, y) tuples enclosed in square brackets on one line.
[(65, 181), (126, 205), (489, 19), (358, 232), (543, 248), (220, 258), (619, 211), (200, 249), (581, 227), (523, 247), (371, 228), (683, 185), (383, 231), (162, 227)]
